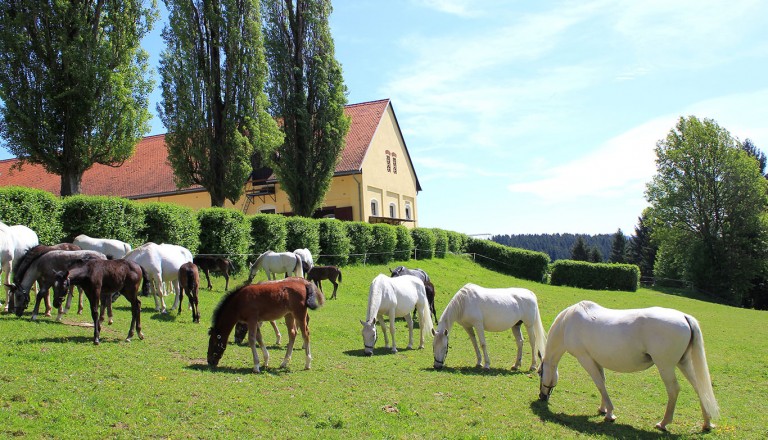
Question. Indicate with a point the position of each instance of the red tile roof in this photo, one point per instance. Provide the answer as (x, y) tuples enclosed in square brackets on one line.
[(148, 172)]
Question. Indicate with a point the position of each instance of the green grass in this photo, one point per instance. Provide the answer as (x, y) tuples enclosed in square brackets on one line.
[(54, 383)]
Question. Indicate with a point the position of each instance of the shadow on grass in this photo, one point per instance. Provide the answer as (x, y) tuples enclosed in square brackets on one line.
[(378, 351), (477, 371), (272, 371), (66, 340), (583, 425)]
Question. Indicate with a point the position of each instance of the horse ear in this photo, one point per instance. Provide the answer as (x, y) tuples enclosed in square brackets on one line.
[(362, 322)]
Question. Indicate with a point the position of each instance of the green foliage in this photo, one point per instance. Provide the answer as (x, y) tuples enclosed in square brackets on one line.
[(213, 74), (557, 246), (74, 84), (384, 240), (36, 209), (360, 240), (441, 242), (404, 246), (580, 252), (596, 276), (170, 223), (334, 243), (708, 198), (618, 248), (457, 242), (268, 233), (424, 243), (302, 233), (641, 250), (226, 232), (103, 217), (307, 94), (520, 263)]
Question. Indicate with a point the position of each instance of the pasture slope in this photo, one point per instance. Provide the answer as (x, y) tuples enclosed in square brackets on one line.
[(54, 383)]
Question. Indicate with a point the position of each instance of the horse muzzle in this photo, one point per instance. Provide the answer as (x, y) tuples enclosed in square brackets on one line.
[(543, 397)]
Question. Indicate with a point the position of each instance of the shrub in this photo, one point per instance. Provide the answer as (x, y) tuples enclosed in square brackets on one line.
[(360, 238), (224, 232), (170, 223), (383, 241), (595, 276), (441, 242), (334, 243), (38, 210), (520, 263), (457, 242), (404, 246), (103, 217), (424, 243), (268, 233), (301, 233)]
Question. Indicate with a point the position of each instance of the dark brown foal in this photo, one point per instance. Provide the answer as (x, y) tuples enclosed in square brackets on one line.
[(330, 273)]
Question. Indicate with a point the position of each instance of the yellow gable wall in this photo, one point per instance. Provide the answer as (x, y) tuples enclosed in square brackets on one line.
[(384, 186)]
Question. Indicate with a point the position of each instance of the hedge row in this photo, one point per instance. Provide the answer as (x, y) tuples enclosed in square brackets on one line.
[(520, 263), (596, 276)]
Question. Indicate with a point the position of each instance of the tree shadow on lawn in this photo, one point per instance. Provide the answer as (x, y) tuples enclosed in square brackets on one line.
[(477, 371), (584, 425)]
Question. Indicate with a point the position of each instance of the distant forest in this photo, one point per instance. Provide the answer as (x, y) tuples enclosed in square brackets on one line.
[(558, 246)]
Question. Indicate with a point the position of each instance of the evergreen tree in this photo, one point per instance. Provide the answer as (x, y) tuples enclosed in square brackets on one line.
[(308, 95), (618, 248), (74, 84), (759, 156), (213, 73), (640, 250), (595, 256), (579, 251)]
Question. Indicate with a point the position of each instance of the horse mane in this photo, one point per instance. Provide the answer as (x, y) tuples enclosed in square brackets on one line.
[(374, 296), (454, 308), (224, 301)]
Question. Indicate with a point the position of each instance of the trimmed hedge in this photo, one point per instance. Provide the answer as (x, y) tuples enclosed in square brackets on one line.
[(595, 276), (103, 217), (360, 239), (302, 232), (268, 233), (520, 263), (404, 246), (457, 242), (36, 209), (334, 243), (169, 223), (441, 242), (224, 232), (424, 243), (383, 242)]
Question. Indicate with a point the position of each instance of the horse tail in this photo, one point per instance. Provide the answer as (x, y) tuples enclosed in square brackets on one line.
[(145, 282), (540, 335), (315, 297), (298, 268), (425, 314), (339, 271), (703, 383)]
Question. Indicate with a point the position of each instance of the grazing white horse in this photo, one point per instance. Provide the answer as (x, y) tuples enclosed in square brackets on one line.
[(15, 241), (627, 341), (161, 263), (494, 310), (306, 258), (107, 246), (395, 298), (276, 262)]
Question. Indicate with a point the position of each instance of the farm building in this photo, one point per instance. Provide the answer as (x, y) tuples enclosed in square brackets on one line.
[(374, 181)]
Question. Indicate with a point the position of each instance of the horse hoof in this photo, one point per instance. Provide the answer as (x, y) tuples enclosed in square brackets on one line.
[(96, 342), (611, 418), (127, 339), (660, 427), (708, 427), (515, 367)]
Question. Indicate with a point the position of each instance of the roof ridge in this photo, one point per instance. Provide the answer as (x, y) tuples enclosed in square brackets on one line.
[(368, 102)]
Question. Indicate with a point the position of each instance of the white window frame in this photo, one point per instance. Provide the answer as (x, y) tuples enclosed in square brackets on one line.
[(408, 211), (374, 207), (393, 210)]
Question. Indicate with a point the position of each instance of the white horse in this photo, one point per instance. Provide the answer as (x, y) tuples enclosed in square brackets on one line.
[(395, 298), (15, 241), (494, 310), (306, 258), (107, 246), (276, 262), (161, 263), (628, 341)]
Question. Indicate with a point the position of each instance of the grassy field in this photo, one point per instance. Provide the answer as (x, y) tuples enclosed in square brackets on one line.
[(54, 383)]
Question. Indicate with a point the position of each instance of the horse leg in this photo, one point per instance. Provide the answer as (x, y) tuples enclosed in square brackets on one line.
[(673, 389), (226, 280), (38, 298), (484, 346), (519, 340), (471, 332), (254, 336), (335, 286), (392, 330), (277, 332), (305, 335), (686, 366), (532, 340), (94, 300), (47, 299), (208, 277), (597, 374), (135, 316), (177, 294), (79, 300), (380, 320), (409, 320), (109, 300), (291, 324)]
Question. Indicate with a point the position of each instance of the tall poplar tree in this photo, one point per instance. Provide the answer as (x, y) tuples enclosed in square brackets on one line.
[(74, 83), (308, 95), (214, 106)]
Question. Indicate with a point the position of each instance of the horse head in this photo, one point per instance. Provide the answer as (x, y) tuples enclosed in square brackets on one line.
[(60, 287), (369, 336), (440, 347), (547, 375), (216, 346), (241, 330), (396, 272), (20, 298)]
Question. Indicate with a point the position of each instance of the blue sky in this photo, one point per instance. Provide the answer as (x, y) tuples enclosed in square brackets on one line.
[(542, 117)]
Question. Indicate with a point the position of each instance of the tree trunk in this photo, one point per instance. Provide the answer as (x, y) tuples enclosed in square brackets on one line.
[(70, 183)]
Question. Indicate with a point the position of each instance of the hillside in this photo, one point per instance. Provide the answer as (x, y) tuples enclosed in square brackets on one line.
[(557, 246)]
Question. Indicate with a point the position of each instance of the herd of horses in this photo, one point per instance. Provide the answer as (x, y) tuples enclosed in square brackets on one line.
[(599, 338)]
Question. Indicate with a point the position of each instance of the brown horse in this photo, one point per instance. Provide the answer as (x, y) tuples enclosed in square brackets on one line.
[(20, 269), (254, 303), (330, 273), (213, 263), (103, 281), (189, 282)]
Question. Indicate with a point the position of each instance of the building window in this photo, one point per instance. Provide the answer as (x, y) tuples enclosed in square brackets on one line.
[(394, 163), (389, 164), (408, 210), (374, 207), (267, 209), (392, 210)]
